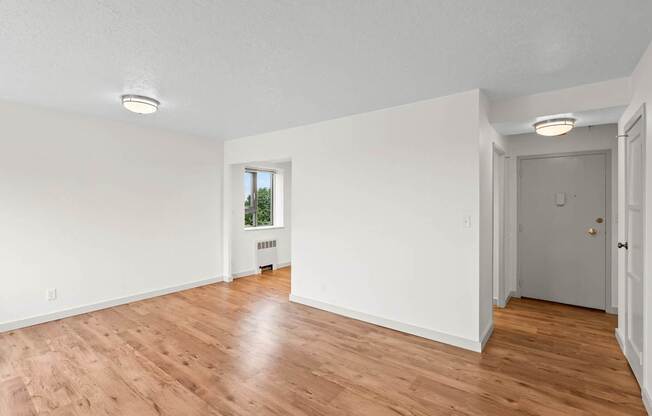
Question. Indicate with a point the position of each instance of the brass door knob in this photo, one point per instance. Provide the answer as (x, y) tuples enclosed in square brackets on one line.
[(592, 231)]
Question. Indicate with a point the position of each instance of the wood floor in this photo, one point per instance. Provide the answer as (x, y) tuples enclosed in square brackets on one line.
[(243, 349)]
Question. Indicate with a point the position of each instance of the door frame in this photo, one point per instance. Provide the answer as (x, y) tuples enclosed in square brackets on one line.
[(609, 226), (497, 152), (622, 334)]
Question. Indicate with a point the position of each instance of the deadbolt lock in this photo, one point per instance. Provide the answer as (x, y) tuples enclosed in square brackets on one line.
[(592, 231), (599, 220)]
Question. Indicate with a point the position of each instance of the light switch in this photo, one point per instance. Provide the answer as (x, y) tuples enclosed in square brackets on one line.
[(560, 199)]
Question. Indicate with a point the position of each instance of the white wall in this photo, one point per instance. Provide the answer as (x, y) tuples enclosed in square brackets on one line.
[(579, 99), (488, 137), (379, 201), (101, 210), (580, 139), (641, 95), (243, 261)]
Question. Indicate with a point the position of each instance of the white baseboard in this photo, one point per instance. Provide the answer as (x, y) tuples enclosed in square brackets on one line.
[(620, 340), (497, 302), (613, 310), (388, 323), (645, 396), (486, 335), (53, 316), (647, 400), (253, 272), (243, 274), (510, 295)]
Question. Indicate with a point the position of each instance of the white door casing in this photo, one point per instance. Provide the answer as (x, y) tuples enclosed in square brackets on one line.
[(634, 245), (498, 230), (562, 244)]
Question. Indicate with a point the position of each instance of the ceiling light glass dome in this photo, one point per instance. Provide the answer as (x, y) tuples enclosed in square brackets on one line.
[(140, 104), (555, 126)]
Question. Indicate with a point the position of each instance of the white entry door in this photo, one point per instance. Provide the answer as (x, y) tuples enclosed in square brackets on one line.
[(562, 227), (634, 226)]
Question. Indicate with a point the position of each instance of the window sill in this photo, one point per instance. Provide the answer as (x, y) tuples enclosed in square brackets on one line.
[(265, 227)]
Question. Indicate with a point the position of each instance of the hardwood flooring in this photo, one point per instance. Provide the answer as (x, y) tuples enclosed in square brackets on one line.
[(243, 349)]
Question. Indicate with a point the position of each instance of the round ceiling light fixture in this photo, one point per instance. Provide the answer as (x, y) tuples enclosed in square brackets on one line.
[(554, 126), (140, 104)]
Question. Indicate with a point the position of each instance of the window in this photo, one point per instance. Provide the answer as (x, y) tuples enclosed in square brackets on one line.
[(259, 198)]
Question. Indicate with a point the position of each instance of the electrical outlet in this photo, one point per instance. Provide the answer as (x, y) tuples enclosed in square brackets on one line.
[(51, 294)]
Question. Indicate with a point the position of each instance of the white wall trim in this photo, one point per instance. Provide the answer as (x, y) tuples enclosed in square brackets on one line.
[(645, 396), (264, 228), (507, 298), (612, 310), (39, 319), (620, 340), (510, 295), (245, 273), (486, 335), (388, 323), (253, 272), (647, 401)]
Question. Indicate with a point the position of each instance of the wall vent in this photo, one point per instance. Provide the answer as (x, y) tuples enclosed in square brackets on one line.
[(266, 256), (262, 245)]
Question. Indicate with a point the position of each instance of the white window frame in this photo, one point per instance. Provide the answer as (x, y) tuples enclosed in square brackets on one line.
[(253, 209)]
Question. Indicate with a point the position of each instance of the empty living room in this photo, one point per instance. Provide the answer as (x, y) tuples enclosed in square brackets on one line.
[(325, 207)]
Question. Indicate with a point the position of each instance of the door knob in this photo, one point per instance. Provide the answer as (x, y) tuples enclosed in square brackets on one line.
[(624, 245), (592, 231)]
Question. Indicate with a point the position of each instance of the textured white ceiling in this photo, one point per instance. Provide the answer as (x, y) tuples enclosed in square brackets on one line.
[(233, 68)]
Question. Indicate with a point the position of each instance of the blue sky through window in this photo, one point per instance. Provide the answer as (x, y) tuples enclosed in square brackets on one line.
[(264, 181)]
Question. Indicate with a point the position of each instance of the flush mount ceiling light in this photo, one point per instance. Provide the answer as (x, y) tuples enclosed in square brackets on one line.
[(140, 104), (555, 126)]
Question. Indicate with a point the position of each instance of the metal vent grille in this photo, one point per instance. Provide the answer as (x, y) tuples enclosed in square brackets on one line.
[(262, 245)]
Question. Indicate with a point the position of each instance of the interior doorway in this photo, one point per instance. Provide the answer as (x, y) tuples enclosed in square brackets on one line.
[(564, 212), (260, 221)]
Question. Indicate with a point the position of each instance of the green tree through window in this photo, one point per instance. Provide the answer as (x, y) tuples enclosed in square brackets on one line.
[(259, 198), (264, 206)]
